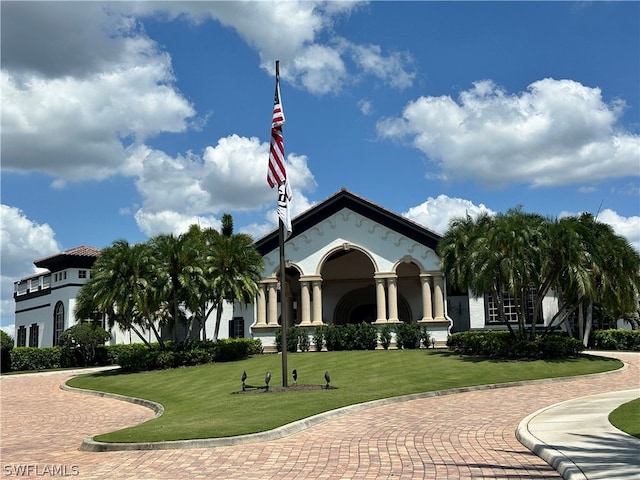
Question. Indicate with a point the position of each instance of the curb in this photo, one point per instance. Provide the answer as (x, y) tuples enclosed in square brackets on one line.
[(91, 445), (560, 462)]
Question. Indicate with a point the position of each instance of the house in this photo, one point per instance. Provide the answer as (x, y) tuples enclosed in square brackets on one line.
[(348, 260), (45, 301)]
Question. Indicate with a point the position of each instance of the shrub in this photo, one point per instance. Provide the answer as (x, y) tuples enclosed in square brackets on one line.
[(318, 337), (407, 335), (385, 336), (79, 344), (616, 339), (492, 344), (425, 336), (292, 339), (559, 346), (231, 349), (303, 340), (366, 337), (333, 338), (137, 357), (34, 358), (6, 345)]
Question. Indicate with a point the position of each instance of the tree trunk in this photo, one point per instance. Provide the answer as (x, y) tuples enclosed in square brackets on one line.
[(580, 321), (218, 321), (588, 325), (137, 332)]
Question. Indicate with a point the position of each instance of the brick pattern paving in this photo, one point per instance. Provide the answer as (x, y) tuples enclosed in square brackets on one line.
[(462, 436)]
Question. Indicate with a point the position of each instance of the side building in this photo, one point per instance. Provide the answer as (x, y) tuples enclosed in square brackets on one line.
[(45, 301)]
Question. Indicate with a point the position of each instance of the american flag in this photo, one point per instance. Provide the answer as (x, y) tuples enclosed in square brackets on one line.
[(277, 173)]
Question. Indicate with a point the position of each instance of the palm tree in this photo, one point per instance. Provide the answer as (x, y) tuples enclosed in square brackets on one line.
[(180, 262), (235, 267), (126, 284)]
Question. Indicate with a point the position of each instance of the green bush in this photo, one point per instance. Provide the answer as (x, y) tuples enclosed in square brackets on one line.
[(385, 336), (333, 338), (33, 358), (231, 349), (303, 340), (318, 337), (80, 342), (366, 337), (407, 335), (616, 339), (425, 336), (6, 345), (492, 344), (137, 357)]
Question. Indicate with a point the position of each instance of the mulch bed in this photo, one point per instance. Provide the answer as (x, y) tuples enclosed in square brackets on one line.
[(291, 388)]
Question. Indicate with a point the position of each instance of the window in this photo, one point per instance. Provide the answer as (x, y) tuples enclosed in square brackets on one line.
[(236, 327), (82, 274), (22, 336), (58, 322), (34, 334), (510, 311)]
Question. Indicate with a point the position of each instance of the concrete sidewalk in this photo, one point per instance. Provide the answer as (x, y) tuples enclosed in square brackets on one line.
[(576, 438)]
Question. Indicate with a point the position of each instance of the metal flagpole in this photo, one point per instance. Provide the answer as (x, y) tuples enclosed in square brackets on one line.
[(283, 300), (283, 307)]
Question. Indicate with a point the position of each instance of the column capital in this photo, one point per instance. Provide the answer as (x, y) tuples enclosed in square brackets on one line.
[(310, 278), (384, 275)]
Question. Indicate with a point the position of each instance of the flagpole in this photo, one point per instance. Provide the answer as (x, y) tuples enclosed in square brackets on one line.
[(283, 307), (283, 299)]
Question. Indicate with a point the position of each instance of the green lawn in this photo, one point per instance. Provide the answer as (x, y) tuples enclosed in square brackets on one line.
[(627, 417), (202, 401)]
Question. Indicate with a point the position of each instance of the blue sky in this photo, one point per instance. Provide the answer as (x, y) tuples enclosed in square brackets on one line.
[(127, 119)]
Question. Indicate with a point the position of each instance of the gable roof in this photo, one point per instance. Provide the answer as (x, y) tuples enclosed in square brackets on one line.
[(357, 204), (79, 257)]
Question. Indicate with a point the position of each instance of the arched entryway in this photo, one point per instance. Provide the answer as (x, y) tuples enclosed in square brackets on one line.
[(359, 306)]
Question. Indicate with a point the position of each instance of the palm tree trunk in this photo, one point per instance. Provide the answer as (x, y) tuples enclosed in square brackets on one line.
[(588, 324), (218, 321), (137, 332)]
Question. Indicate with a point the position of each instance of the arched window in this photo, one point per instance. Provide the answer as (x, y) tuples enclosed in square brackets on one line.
[(58, 322)]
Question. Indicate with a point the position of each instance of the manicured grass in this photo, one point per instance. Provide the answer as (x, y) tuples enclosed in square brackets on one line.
[(202, 401), (627, 418)]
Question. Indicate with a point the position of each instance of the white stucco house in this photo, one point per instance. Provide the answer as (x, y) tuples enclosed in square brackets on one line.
[(348, 260)]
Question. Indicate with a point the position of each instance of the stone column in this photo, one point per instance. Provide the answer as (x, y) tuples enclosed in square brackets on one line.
[(438, 296), (427, 311), (317, 302), (392, 286), (272, 303), (381, 302), (305, 300), (261, 307)]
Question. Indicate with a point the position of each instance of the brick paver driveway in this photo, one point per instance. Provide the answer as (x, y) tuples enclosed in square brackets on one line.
[(459, 436)]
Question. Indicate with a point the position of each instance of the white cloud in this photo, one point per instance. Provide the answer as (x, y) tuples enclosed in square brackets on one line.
[(391, 68), (365, 106), (168, 221), (230, 176), (73, 118), (22, 242), (299, 33), (557, 132), (436, 213)]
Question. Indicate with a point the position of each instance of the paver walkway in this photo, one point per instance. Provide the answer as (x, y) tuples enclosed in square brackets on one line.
[(461, 436)]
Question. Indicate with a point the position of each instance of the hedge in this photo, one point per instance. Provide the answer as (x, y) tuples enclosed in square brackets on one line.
[(33, 358), (137, 357), (500, 344), (616, 339)]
